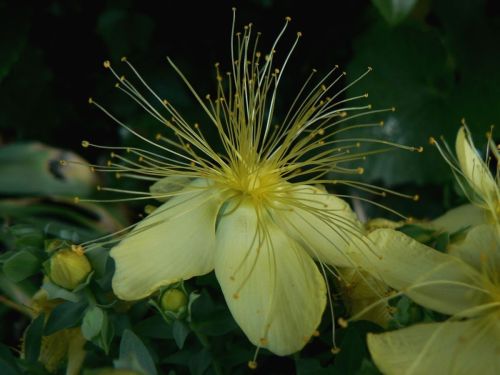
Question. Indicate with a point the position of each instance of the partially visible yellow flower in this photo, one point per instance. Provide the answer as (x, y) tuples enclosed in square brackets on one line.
[(466, 286), (69, 268), (361, 290), (248, 208), (476, 180), (174, 300), (64, 345)]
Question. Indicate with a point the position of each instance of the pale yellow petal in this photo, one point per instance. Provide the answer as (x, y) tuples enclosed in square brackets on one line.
[(322, 223), (461, 217), (177, 241), (468, 347), (163, 189), (435, 280), (272, 286), (481, 244), (474, 168)]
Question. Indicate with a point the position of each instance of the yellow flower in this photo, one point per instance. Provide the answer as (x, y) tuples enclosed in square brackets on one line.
[(64, 345), (466, 286), (474, 177), (249, 208), (69, 268)]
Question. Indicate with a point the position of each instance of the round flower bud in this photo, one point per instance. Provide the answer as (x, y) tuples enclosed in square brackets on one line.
[(173, 300), (69, 268)]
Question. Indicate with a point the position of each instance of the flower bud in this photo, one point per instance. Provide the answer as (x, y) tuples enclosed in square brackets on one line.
[(69, 268), (173, 300)]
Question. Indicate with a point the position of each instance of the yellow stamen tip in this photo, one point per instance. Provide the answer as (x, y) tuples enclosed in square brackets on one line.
[(85, 144), (432, 140), (123, 59), (62, 162), (343, 323), (106, 64), (416, 197), (76, 200), (335, 350), (252, 365)]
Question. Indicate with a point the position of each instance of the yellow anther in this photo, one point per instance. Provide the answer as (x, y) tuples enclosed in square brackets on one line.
[(343, 323), (90, 100), (263, 341), (106, 64), (299, 34), (63, 162), (252, 365), (416, 197), (335, 350), (76, 200), (78, 249), (288, 19), (123, 59)]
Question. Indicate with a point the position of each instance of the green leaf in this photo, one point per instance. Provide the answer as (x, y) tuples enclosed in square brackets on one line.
[(54, 291), (92, 322), (410, 73), (47, 175), (368, 368), (312, 366), (21, 265), (114, 24), (65, 315), (134, 355), (200, 362), (394, 11), (33, 339), (13, 35), (8, 365), (154, 327), (180, 331), (353, 346), (106, 335), (417, 232)]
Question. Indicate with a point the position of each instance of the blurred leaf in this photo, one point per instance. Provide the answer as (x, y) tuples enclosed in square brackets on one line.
[(134, 355), (26, 235), (200, 362), (154, 327), (46, 175), (92, 322), (54, 292), (124, 31), (411, 74), (21, 265), (394, 11), (33, 338), (368, 368), (312, 366), (14, 28), (8, 365), (417, 232), (65, 315), (353, 346), (180, 331)]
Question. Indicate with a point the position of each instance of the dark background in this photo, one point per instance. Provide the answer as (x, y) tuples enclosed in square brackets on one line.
[(436, 64)]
